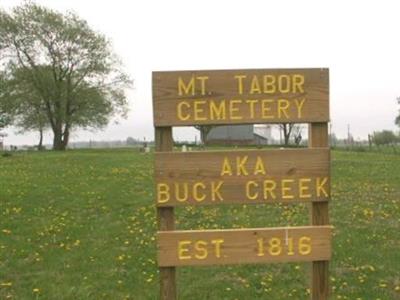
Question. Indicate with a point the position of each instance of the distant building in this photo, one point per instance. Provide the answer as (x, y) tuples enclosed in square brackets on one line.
[(240, 135)]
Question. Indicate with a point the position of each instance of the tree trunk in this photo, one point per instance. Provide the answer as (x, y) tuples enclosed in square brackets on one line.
[(287, 130), (204, 130), (61, 138), (287, 136), (65, 137), (58, 142), (40, 145), (203, 136)]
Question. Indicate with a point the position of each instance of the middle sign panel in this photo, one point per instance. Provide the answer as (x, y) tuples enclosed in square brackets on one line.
[(250, 176)]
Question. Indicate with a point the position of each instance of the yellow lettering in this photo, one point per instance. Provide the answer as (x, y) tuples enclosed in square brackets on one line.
[(217, 111), (320, 186), (233, 109), (240, 83), (305, 245), (275, 247), (163, 195), (185, 188), (269, 187), (203, 83), (298, 81), (249, 184), (201, 247), (199, 110), (304, 188), (217, 244), (286, 189), (215, 191), (284, 84), (266, 108), (255, 86), (283, 105), (269, 84), (290, 246), (185, 88), (226, 167), (299, 106), (180, 114), (182, 250), (196, 191), (260, 248), (251, 107), (259, 168), (240, 165)]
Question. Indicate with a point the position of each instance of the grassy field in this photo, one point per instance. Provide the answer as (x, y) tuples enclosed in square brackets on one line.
[(81, 225)]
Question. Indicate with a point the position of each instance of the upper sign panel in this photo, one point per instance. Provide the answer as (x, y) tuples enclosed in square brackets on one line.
[(185, 98)]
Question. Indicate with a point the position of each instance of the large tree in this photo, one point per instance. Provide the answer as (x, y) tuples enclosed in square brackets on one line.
[(24, 102), (5, 105), (4, 120), (71, 68)]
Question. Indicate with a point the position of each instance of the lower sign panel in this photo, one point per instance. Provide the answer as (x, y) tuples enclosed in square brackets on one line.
[(242, 246)]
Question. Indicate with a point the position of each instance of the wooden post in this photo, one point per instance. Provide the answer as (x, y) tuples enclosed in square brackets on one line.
[(318, 137), (165, 218)]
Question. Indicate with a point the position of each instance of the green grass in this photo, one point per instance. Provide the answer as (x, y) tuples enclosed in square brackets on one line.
[(81, 225)]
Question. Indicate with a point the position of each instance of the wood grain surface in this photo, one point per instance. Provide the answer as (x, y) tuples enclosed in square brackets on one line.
[(251, 176), (318, 138), (166, 219), (184, 98), (240, 246)]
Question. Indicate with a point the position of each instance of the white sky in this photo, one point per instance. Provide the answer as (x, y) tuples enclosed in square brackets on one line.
[(359, 41)]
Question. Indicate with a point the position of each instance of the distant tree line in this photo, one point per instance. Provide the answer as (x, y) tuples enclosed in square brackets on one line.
[(385, 137)]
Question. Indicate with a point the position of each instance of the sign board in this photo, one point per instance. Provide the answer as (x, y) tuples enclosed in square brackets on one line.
[(183, 98), (220, 247), (251, 176), (187, 98)]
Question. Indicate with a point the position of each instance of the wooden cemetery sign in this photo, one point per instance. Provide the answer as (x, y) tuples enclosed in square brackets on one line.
[(187, 98)]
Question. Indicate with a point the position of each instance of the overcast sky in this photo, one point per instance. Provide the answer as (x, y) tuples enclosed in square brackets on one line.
[(357, 40)]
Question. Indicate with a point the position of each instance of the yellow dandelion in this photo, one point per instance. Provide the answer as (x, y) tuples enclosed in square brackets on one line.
[(6, 284)]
